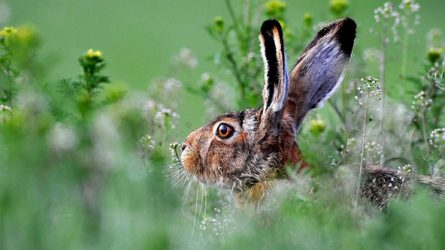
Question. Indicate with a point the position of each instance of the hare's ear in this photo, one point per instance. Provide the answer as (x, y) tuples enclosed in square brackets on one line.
[(320, 69), (276, 82)]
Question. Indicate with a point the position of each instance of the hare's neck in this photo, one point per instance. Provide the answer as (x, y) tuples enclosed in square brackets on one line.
[(254, 195), (292, 155)]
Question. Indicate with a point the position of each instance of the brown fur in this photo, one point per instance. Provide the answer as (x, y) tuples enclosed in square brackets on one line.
[(264, 139)]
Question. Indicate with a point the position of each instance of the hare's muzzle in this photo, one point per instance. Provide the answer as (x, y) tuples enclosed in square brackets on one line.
[(190, 153)]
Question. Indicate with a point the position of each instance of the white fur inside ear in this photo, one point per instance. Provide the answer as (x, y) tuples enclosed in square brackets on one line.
[(276, 105), (266, 69), (327, 67), (332, 92)]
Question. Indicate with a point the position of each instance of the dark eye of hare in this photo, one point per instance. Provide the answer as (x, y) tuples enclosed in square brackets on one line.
[(224, 131)]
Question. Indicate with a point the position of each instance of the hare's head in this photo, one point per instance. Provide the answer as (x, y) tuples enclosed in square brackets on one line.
[(239, 149)]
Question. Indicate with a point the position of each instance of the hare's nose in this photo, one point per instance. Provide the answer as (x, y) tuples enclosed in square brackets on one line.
[(183, 146)]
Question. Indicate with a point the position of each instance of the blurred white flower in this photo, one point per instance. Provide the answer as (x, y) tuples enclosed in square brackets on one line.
[(388, 15), (385, 12), (221, 98), (32, 102), (5, 108), (437, 137), (434, 38), (62, 138), (5, 13), (165, 117), (106, 140), (372, 55), (409, 5), (205, 77), (185, 57), (172, 85), (421, 102), (368, 86)]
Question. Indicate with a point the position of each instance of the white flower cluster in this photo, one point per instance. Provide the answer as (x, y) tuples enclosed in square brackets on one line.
[(386, 14), (5, 108), (437, 137), (220, 223), (5, 13), (386, 11), (62, 138), (421, 102), (437, 75), (409, 8), (368, 86), (434, 38), (372, 55), (160, 115), (172, 84), (373, 151), (351, 145), (220, 95), (409, 5), (168, 89), (186, 58)]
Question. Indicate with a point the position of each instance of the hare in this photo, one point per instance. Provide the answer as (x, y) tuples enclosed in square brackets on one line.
[(243, 150)]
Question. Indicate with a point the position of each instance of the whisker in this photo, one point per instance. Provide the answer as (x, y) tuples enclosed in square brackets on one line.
[(201, 205), (205, 202), (196, 210), (187, 189)]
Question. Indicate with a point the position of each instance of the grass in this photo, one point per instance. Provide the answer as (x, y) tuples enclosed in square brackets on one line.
[(84, 136)]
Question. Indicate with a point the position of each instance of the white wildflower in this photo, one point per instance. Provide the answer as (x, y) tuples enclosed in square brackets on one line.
[(372, 55), (5, 108), (172, 85), (368, 86), (185, 57), (5, 13), (437, 137), (409, 5), (62, 138), (421, 102)]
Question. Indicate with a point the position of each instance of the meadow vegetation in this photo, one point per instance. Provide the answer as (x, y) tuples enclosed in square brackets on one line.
[(86, 162)]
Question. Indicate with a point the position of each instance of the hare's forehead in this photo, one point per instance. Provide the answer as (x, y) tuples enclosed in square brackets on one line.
[(246, 119), (250, 123)]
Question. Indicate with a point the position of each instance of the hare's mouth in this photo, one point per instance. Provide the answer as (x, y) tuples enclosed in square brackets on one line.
[(190, 162)]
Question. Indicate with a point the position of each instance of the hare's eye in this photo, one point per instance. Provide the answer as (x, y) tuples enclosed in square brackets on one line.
[(224, 131)]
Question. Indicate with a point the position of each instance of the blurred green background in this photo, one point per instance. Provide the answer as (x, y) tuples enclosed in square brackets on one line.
[(139, 38), (102, 178)]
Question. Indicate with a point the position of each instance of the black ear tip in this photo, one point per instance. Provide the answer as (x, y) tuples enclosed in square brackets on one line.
[(269, 25), (346, 34)]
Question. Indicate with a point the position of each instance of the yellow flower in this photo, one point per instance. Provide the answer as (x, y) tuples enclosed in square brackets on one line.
[(308, 19), (219, 21), (93, 54), (434, 54), (7, 31), (317, 126), (338, 6), (275, 8), (26, 34)]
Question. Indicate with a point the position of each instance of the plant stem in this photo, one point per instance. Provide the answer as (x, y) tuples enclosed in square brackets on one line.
[(235, 69), (382, 100), (234, 19), (404, 55), (425, 140), (405, 46), (339, 114), (362, 153)]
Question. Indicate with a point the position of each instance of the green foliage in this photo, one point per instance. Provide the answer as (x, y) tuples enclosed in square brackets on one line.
[(86, 163)]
